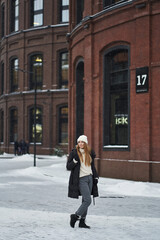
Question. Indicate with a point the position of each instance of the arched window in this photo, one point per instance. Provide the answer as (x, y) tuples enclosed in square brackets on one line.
[(36, 69), (36, 13), (13, 125), (79, 99), (116, 95), (14, 15), (39, 127), (63, 124), (14, 74), (1, 126)]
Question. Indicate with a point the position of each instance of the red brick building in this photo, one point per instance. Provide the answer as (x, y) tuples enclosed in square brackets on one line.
[(34, 54), (114, 91)]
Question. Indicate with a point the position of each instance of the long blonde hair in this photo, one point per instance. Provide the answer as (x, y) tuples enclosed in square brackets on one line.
[(87, 151)]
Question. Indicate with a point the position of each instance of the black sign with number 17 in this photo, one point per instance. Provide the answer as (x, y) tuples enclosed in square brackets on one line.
[(142, 82)]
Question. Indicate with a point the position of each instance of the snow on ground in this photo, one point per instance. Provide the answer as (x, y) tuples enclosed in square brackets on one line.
[(34, 204)]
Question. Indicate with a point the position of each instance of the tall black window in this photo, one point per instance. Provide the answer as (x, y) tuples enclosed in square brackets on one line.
[(79, 99), (64, 11), (1, 126), (64, 70), (14, 16), (111, 2), (116, 93), (13, 125), (39, 126), (36, 13), (14, 75), (36, 69), (80, 9), (2, 20), (63, 124), (1, 78)]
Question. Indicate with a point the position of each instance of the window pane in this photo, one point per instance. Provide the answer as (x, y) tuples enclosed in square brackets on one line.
[(79, 10), (14, 75), (2, 20), (16, 25), (2, 78), (36, 13), (65, 16), (38, 20), (65, 2), (14, 16), (38, 5), (119, 119), (16, 8), (64, 70), (36, 78), (116, 98), (63, 125), (1, 126), (13, 125), (64, 11), (38, 125)]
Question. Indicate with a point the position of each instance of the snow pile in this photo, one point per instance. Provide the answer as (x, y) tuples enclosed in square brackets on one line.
[(130, 188)]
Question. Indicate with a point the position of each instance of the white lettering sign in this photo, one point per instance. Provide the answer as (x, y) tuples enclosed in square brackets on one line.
[(121, 120)]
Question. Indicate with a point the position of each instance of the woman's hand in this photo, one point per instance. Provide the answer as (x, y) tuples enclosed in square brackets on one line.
[(75, 161)]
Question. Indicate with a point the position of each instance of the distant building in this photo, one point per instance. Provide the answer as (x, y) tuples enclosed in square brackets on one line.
[(114, 90), (34, 53)]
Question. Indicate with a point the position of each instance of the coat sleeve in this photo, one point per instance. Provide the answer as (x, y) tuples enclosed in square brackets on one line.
[(95, 174), (70, 163)]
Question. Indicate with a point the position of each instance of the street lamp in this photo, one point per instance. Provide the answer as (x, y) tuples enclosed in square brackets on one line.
[(35, 93), (36, 61), (35, 107), (34, 73)]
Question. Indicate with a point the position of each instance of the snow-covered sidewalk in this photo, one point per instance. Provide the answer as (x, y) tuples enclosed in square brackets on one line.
[(34, 204)]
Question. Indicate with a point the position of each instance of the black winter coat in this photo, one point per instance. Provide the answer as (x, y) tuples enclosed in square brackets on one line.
[(73, 188)]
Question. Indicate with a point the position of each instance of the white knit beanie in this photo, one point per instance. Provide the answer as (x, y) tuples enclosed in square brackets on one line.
[(82, 138)]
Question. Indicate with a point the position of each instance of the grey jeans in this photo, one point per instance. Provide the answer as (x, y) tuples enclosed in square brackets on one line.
[(85, 187)]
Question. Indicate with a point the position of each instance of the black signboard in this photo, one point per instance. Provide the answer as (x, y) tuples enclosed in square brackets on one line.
[(142, 81)]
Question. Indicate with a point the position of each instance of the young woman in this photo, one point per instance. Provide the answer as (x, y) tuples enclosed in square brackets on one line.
[(83, 179)]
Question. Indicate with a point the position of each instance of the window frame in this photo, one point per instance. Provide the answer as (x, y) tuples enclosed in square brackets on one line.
[(62, 120), (62, 9), (34, 13), (2, 20), (61, 60), (1, 126), (34, 71), (14, 19), (31, 124), (106, 103), (14, 86), (2, 78), (12, 122), (79, 10)]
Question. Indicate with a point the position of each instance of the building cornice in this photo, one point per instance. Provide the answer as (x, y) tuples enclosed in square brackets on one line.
[(32, 92), (35, 29)]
